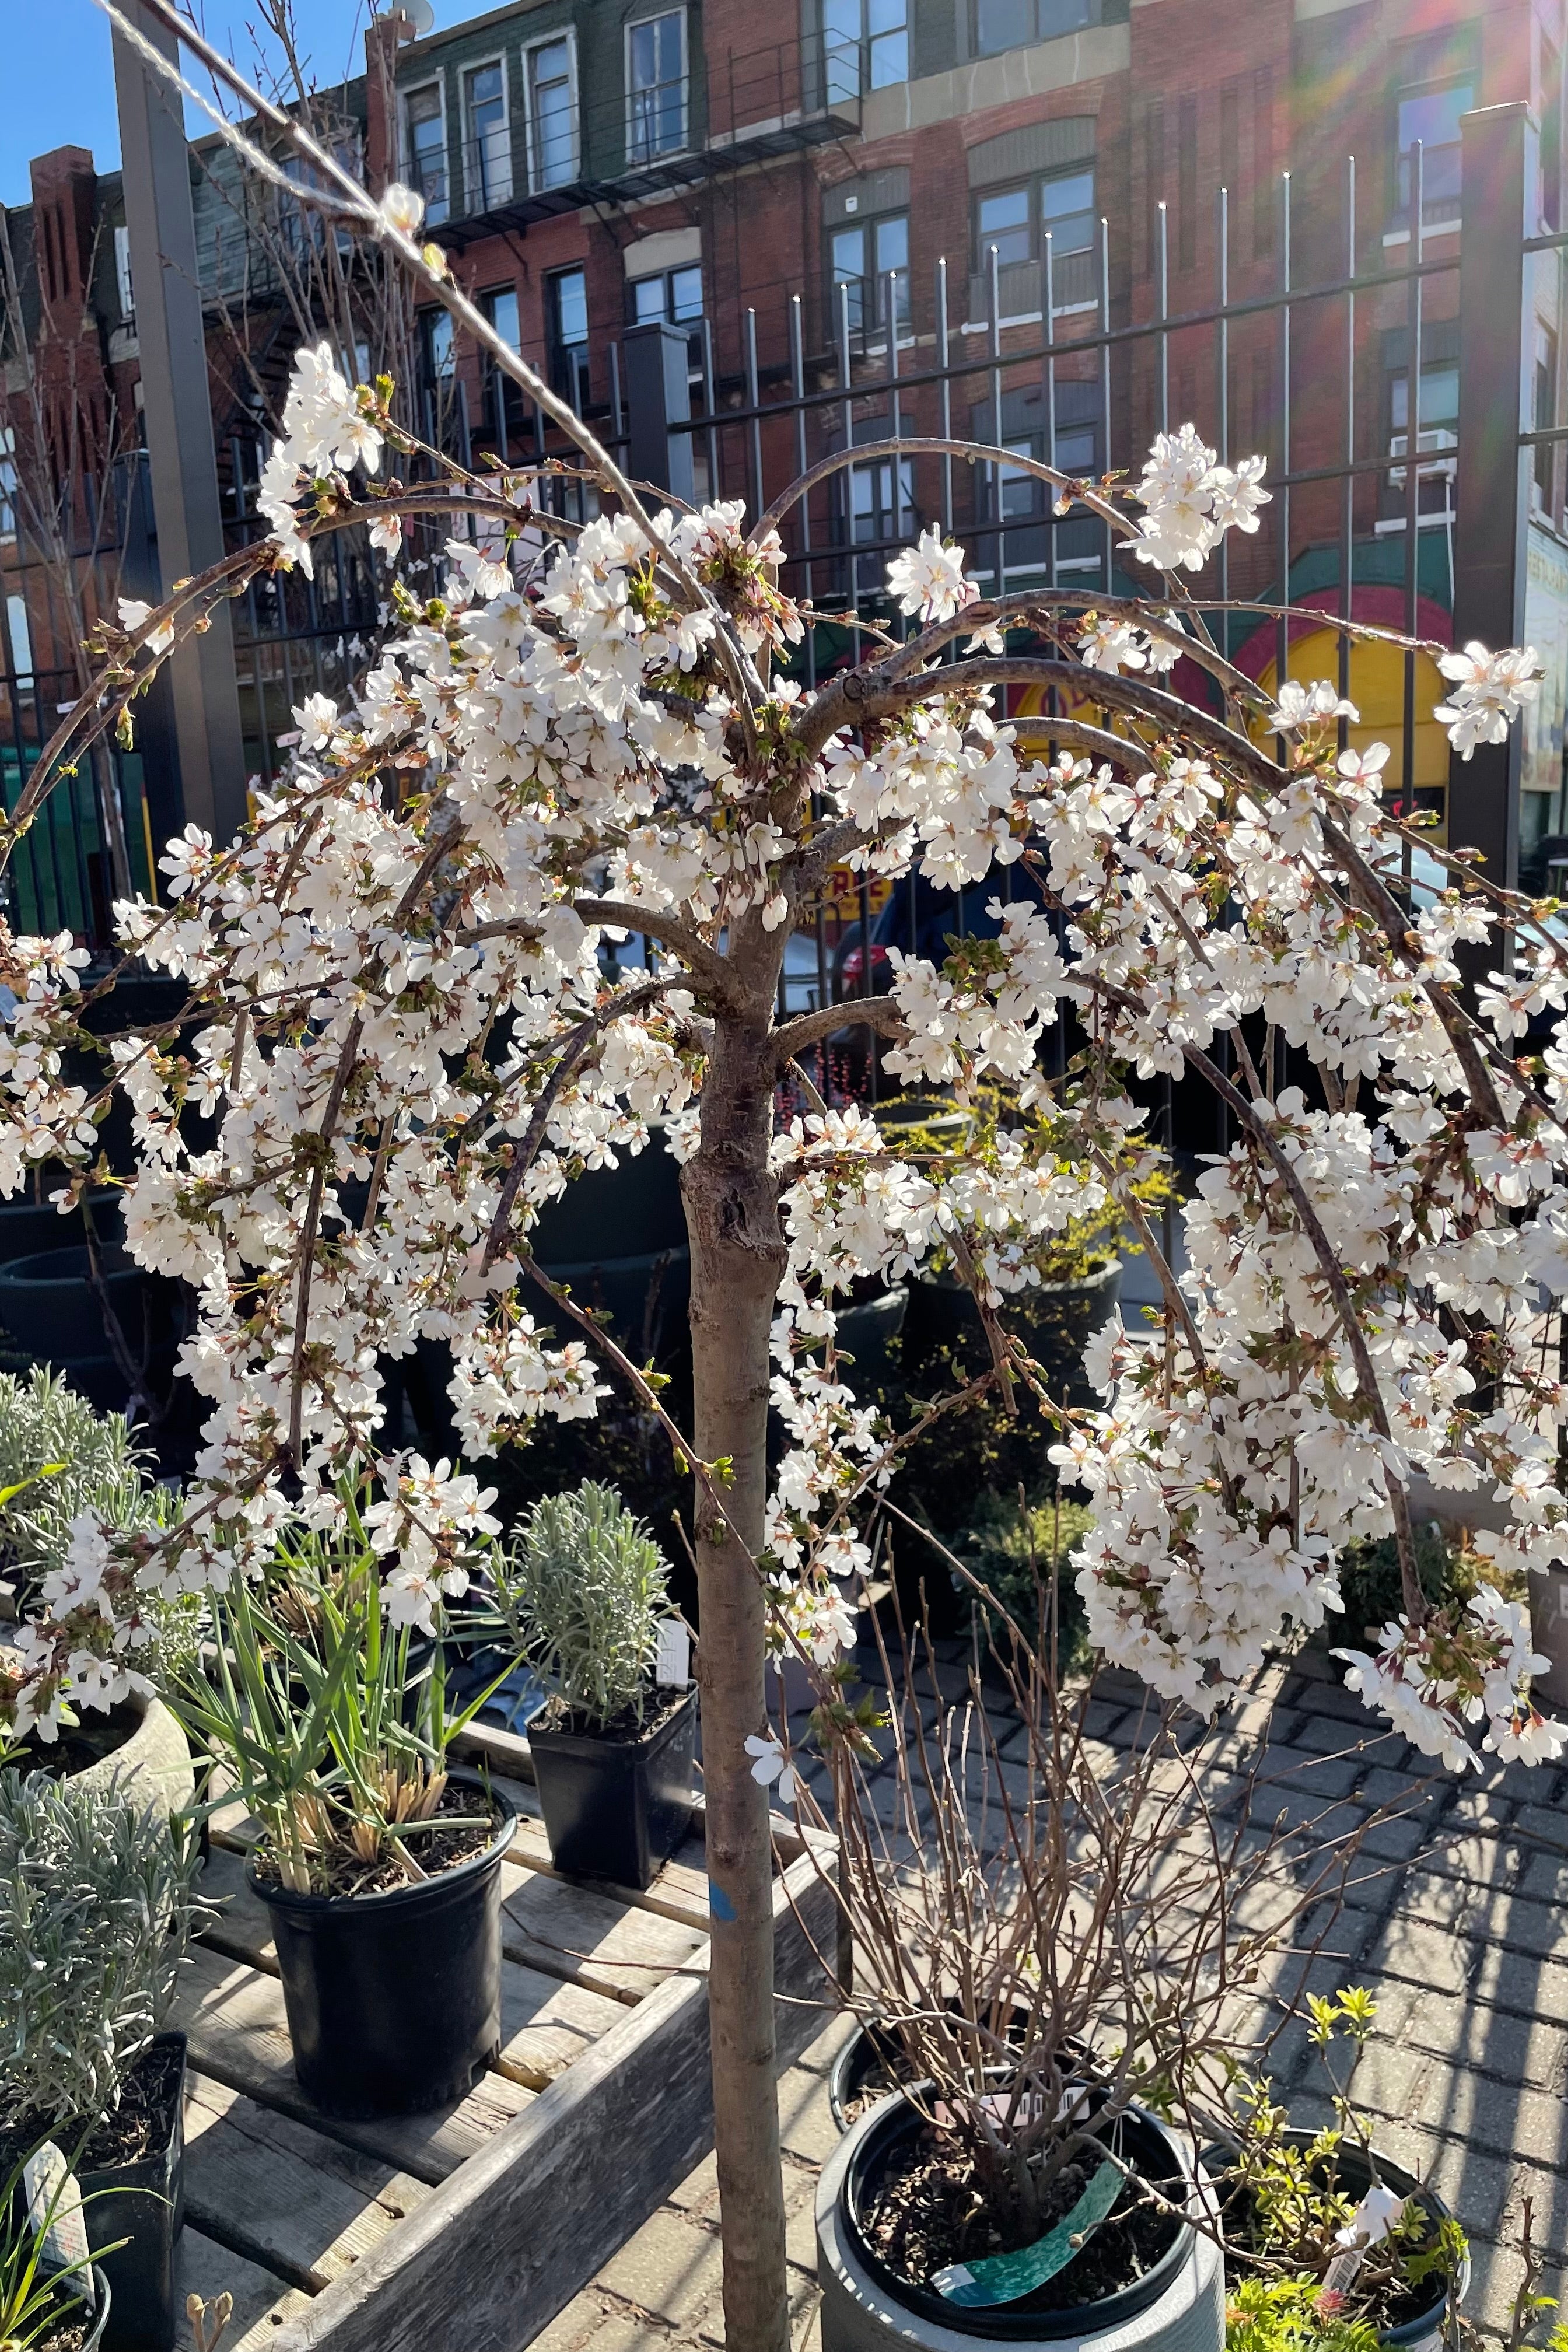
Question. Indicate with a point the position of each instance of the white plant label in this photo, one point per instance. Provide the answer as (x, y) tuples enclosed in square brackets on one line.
[(672, 1659), (54, 2209)]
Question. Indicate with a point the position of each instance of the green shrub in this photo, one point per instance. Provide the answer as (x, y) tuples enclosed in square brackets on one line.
[(582, 1592), (1369, 1586), (92, 1463), (1013, 1546), (95, 1914)]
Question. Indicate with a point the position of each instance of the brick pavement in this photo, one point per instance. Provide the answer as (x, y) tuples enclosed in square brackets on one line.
[(1462, 1936)]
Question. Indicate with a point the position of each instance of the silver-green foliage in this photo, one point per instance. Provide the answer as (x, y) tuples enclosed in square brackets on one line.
[(95, 1914), (583, 1591), (91, 1461)]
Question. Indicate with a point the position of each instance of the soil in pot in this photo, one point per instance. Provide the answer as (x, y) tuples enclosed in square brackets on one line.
[(873, 2061), (392, 1991), (617, 1799), (88, 2334), (915, 2207), (131, 2175)]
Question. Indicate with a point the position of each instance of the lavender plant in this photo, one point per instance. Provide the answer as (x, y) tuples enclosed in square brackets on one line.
[(96, 1904), (582, 1594)]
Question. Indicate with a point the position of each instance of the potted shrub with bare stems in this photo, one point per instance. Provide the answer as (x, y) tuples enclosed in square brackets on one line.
[(1037, 1943), (582, 1594), (323, 1699), (399, 978), (95, 1913)]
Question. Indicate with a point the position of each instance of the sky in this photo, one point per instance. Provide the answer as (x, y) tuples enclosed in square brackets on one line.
[(57, 80)]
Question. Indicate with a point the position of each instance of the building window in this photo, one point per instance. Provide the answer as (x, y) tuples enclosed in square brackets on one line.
[(505, 411), (566, 325), (7, 481), (997, 24), (426, 145), (122, 271), (1551, 135), (487, 156), (861, 257), (1430, 118), (881, 501), (656, 87), (672, 294), (1544, 416), (552, 115), (865, 45), (1015, 220), (1438, 433)]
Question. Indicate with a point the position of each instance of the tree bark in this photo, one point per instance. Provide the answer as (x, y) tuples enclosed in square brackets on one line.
[(737, 1261)]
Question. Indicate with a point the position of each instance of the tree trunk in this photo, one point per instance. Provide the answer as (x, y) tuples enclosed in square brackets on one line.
[(737, 1260)]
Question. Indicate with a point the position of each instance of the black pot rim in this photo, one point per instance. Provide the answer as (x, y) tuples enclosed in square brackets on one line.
[(172, 2037), (868, 2041), (1002, 2324), (1409, 2331), (391, 1898), (592, 1743)]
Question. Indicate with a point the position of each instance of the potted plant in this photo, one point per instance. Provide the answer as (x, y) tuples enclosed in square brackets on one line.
[(1039, 1946), (95, 1914), (325, 1700), (1319, 2213), (53, 2297), (60, 1459), (582, 1593)]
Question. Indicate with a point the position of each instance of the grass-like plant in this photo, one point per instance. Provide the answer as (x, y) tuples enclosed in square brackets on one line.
[(37, 2304), (95, 1914), (581, 1592), (333, 1722)]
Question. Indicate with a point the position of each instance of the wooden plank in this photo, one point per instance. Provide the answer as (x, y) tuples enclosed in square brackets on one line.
[(491, 2258), (238, 2034), (263, 2302), (597, 1940), (546, 2021), (303, 2206)]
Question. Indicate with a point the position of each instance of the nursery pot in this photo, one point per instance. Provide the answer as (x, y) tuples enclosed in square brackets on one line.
[(872, 2049), (148, 1758), (143, 2202), (616, 1808), (1177, 2306), (393, 1999), (99, 2301), (1424, 2330)]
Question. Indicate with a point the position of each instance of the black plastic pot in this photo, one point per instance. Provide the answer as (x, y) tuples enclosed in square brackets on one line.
[(615, 1809), (874, 2050), (27, 1227), (867, 2306), (144, 2204), (1423, 2329), (394, 1999)]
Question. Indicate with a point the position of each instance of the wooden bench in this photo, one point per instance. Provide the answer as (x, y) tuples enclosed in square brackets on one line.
[(467, 2230)]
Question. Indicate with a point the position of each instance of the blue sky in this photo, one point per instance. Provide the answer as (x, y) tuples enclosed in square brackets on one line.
[(59, 81)]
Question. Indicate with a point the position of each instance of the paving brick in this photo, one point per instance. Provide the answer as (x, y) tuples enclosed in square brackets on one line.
[(669, 2268)]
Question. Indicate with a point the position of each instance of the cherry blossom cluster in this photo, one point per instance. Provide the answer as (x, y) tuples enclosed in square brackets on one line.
[(411, 1024)]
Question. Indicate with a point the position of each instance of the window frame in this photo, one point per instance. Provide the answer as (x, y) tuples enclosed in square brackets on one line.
[(865, 42), (1401, 202), (867, 226), (556, 349), (492, 197), (636, 160), (435, 214), (1036, 182), (1093, 13), (536, 182), (664, 278)]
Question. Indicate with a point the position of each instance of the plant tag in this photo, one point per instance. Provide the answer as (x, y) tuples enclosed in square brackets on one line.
[(1370, 2223), (54, 2209), (672, 1659), (1003, 2278)]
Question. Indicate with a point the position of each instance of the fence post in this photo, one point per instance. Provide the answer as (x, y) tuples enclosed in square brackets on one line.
[(659, 395), (1493, 520)]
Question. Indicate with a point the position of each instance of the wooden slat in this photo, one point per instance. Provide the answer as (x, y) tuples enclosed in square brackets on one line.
[(546, 2021), (570, 1930), (234, 2016), (263, 2302), (303, 2206), (494, 2255)]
